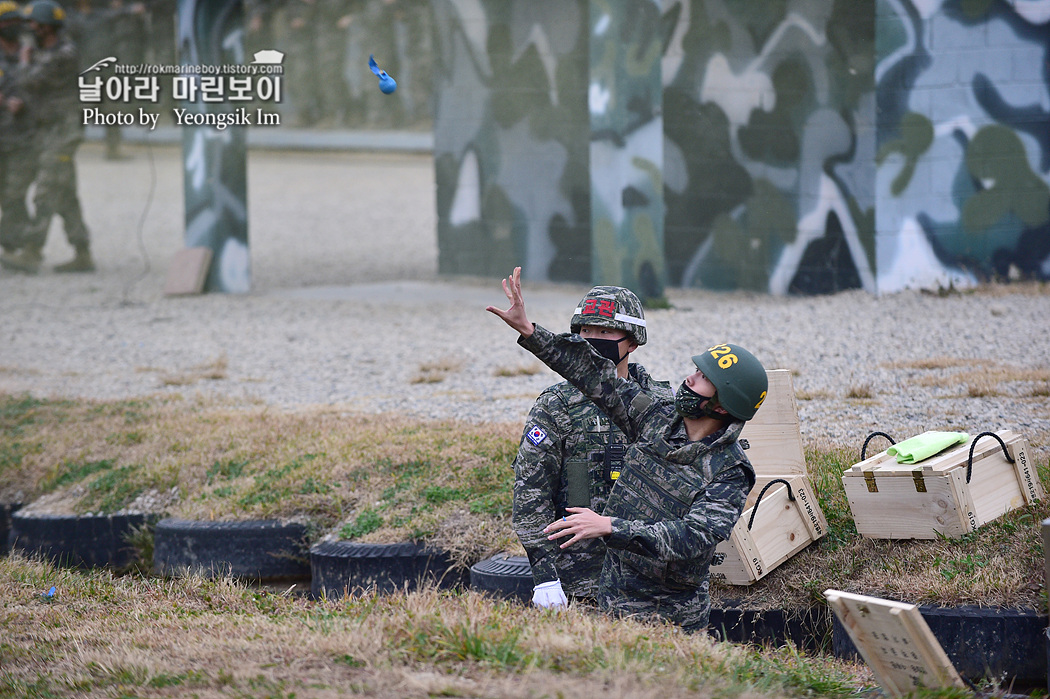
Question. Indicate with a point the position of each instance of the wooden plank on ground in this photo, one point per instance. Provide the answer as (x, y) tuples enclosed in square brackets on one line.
[(188, 271), (895, 642)]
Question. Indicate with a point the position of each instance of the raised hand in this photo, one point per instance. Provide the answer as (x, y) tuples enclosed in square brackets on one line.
[(514, 316)]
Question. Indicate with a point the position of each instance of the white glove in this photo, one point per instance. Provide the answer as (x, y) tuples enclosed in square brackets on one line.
[(549, 594)]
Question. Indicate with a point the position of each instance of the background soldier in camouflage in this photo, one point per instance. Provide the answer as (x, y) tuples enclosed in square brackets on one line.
[(17, 162), (685, 478), (571, 453), (49, 84)]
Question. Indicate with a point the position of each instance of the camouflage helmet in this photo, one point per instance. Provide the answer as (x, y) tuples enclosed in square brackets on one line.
[(739, 378), (45, 12), (9, 11), (611, 307)]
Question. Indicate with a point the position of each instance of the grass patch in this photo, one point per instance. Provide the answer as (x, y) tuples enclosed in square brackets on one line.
[(978, 378), (213, 370), (385, 479), (522, 370), (365, 523), (445, 483), (435, 372), (72, 473), (106, 635), (861, 392)]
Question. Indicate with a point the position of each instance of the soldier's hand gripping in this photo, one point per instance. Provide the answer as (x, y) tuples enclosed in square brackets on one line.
[(514, 316), (583, 523)]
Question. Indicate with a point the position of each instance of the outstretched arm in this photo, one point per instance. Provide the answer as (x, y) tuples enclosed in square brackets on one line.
[(515, 315)]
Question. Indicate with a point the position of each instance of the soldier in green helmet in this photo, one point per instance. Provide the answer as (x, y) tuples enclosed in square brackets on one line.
[(571, 453), (684, 480)]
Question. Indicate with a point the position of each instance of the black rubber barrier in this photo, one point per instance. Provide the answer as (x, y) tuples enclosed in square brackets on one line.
[(6, 510), (339, 568), (809, 629), (503, 576), (262, 550), (982, 642), (94, 541)]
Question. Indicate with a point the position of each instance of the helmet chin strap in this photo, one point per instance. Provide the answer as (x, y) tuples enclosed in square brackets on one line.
[(710, 410)]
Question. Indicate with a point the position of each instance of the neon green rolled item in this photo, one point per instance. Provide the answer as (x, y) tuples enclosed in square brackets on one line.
[(925, 445)]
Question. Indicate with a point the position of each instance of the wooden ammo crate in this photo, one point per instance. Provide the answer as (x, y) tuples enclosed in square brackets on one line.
[(783, 520), (936, 497), (774, 443), (783, 526)]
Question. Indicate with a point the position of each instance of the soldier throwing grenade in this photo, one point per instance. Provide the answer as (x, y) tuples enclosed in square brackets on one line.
[(685, 478), (571, 453)]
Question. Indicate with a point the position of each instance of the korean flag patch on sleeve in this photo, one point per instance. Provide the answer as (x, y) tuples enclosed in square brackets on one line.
[(536, 435)]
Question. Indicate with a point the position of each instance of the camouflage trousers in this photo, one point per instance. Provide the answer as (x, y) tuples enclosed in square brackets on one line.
[(17, 169), (622, 592), (56, 187)]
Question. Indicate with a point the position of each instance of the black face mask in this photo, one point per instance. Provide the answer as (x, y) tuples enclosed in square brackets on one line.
[(689, 403), (610, 349)]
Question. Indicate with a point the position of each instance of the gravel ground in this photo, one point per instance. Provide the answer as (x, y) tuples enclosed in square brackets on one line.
[(347, 310)]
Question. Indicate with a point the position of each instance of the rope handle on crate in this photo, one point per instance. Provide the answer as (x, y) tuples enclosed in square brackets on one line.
[(969, 461), (754, 510), (864, 449)]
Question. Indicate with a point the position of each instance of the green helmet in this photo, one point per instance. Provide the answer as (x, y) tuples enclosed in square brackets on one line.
[(9, 11), (611, 307), (45, 12), (739, 378)]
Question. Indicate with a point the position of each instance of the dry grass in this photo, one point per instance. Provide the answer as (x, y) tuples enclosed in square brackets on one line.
[(522, 370), (443, 482), (212, 370), (996, 289), (387, 479), (147, 637), (435, 372), (861, 392), (811, 395), (979, 378)]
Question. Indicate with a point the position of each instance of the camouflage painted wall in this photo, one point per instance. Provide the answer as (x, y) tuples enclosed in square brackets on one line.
[(511, 137), (963, 92), (626, 108), (808, 146)]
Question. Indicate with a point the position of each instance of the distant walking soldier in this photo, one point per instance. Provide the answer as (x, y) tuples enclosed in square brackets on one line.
[(17, 162), (49, 84), (571, 452)]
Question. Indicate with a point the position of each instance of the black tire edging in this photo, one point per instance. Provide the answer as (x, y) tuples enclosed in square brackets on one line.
[(809, 629), (260, 550), (503, 576), (6, 510), (340, 568), (1009, 645), (82, 541)]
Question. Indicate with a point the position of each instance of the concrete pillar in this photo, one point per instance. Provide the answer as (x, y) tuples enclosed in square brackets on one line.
[(210, 32)]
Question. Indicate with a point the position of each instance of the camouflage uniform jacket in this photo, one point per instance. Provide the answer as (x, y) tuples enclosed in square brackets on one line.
[(674, 501), (14, 128), (49, 84), (570, 456)]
